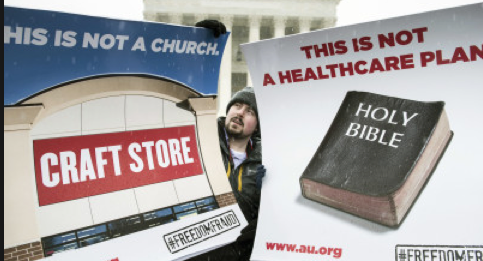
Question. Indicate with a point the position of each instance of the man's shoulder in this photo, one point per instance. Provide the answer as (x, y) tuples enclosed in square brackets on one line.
[(256, 153), (221, 122), (221, 125), (222, 135)]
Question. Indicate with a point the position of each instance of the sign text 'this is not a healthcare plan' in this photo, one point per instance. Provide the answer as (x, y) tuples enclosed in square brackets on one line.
[(376, 65)]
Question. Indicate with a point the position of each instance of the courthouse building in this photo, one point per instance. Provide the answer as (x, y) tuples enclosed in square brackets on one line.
[(249, 21)]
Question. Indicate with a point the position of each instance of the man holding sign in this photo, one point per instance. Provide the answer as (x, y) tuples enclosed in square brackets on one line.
[(240, 146)]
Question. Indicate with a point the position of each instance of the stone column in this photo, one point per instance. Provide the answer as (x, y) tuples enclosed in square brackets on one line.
[(199, 18), (175, 19), (150, 17), (279, 22), (255, 22), (329, 22), (224, 85), (304, 24)]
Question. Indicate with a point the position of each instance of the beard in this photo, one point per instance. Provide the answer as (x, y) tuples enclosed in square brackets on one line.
[(235, 132)]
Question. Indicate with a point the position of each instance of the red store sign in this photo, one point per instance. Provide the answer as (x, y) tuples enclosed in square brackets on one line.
[(77, 167)]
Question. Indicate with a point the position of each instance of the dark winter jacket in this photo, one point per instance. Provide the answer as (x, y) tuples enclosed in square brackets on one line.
[(243, 179)]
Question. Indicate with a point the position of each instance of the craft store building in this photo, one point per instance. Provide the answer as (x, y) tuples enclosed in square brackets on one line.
[(83, 162)]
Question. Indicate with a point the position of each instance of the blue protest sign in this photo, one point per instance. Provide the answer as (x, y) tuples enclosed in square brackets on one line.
[(43, 49)]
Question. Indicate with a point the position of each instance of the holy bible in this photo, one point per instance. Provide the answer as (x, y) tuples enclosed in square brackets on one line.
[(377, 155)]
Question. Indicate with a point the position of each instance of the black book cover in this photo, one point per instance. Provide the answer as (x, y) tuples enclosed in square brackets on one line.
[(371, 149)]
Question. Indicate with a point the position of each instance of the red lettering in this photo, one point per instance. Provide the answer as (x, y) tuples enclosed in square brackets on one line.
[(474, 51), (307, 50), (427, 57), (383, 40), (267, 79), (285, 77), (404, 37), (321, 74), (365, 43), (358, 67), (376, 66), (346, 69), (355, 45), (332, 68), (310, 74), (407, 61), (305, 249), (270, 246), (459, 55), (340, 47), (323, 49), (420, 33), (297, 75), (439, 58), (391, 62)]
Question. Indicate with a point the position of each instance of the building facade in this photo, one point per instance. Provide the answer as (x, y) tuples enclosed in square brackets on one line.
[(249, 21), (96, 110)]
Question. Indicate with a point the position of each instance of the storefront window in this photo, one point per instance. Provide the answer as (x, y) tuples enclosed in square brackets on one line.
[(206, 205), (92, 231), (92, 235), (93, 240), (205, 202), (184, 207), (125, 226), (159, 217), (60, 239), (206, 209), (59, 249), (186, 214), (121, 227)]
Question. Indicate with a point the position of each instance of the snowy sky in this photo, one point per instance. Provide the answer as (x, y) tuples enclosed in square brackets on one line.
[(349, 11)]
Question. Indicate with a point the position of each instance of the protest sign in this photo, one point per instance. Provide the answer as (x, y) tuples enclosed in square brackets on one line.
[(311, 128), (111, 147), (52, 48)]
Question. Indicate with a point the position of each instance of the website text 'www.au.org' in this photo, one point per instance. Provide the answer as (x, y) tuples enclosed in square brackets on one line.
[(303, 249)]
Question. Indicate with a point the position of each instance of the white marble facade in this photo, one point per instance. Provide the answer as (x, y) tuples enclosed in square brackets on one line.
[(249, 21)]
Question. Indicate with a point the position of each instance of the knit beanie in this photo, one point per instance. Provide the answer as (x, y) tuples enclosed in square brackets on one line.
[(246, 96)]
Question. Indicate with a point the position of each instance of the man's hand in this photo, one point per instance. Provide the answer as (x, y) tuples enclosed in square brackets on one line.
[(218, 27)]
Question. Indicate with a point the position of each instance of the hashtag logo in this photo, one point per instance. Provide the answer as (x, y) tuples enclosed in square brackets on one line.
[(402, 255), (172, 244)]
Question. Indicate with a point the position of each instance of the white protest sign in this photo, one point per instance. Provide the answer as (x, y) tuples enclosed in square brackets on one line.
[(300, 82)]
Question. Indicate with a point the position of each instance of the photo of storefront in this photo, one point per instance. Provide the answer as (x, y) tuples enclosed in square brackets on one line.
[(58, 199), (121, 227)]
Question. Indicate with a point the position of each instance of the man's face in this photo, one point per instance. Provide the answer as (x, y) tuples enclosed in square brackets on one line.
[(241, 121)]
